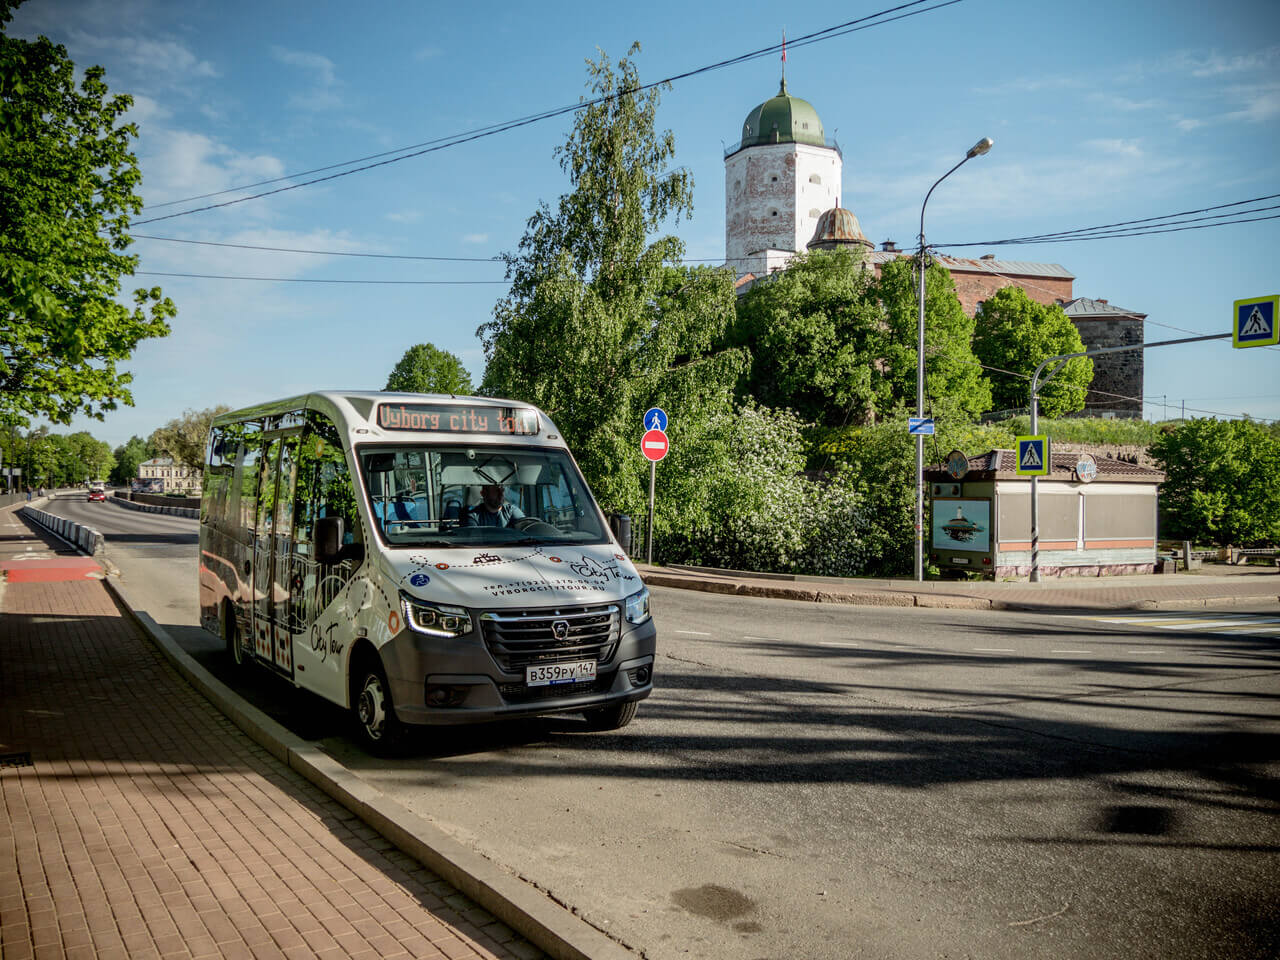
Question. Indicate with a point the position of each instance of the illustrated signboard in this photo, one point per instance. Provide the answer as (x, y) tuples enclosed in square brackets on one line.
[(962, 525)]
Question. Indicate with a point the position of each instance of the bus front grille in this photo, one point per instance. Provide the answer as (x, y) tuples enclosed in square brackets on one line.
[(517, 639)]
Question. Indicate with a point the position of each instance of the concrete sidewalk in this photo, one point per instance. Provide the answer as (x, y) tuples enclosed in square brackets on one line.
[(138, 821), (1214, 585)]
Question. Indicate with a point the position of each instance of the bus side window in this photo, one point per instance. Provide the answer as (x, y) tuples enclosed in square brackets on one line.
[(324, 484), (242, 502)]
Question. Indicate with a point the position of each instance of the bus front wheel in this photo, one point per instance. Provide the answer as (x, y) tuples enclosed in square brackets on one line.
[(375, 716), (612, 718)]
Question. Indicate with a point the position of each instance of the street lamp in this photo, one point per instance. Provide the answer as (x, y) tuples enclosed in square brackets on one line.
[(977, 150)]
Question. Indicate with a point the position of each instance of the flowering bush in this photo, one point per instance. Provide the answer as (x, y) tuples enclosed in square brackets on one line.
[(735, 497)]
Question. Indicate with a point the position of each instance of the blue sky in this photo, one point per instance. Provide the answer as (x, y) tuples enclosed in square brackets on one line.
[(1101, 111)]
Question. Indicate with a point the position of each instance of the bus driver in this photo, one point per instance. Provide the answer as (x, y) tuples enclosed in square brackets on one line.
[(493, 510)]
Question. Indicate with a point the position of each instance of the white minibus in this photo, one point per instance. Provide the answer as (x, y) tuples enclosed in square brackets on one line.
[(419, 559)]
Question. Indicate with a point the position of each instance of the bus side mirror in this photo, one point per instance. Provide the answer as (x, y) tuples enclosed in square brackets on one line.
[(329, 532)]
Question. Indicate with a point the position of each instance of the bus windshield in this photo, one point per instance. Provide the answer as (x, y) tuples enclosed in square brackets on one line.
[(464, 496)]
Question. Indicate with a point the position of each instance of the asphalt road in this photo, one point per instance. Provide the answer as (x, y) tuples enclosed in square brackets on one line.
[(831, 782)]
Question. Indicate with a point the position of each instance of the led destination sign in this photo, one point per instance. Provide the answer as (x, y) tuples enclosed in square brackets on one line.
[(455, 418)]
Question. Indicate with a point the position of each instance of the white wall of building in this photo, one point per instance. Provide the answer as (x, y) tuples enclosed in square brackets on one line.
[(774, 196)]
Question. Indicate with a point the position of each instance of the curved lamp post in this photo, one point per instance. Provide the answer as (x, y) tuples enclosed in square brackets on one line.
[(977, 150)]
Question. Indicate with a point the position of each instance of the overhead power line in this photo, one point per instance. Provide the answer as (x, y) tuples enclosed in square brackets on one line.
[(1169, 223), (881, 18), (416, 283)]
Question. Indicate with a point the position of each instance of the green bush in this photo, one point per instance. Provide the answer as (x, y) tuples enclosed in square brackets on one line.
[(1139, 433), (735, 497)]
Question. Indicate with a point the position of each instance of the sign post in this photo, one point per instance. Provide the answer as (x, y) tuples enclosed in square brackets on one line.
[(654, 445)]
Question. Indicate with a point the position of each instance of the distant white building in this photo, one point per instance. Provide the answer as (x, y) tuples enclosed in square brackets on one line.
[(168, 477)]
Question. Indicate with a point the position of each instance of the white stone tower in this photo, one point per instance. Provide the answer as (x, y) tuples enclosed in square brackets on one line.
[(778, 181)]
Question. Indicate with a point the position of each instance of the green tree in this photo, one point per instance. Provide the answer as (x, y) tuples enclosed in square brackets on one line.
[(814, 335), (1014, 333), (599, 323), (67, 181), (1220, 482), (955, 386), (128, 456), (89, 459), (837, 346), (185, 438), (424, 369)]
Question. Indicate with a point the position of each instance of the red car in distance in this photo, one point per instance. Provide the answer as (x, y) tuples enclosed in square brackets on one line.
[(97, 494)]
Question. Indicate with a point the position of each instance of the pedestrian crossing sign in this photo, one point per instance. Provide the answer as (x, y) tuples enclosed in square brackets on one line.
[(1254, 323), (1033, 456)]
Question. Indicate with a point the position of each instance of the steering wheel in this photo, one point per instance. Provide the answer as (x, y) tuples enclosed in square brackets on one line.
[(534, 525)]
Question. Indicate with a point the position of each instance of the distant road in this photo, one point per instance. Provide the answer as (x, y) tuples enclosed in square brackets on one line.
[(824, 781)]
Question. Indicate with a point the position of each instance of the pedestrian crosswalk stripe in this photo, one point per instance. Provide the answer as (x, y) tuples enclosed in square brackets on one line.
[(1225, 625)]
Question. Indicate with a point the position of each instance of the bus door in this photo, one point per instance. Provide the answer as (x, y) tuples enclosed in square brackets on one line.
[(273, 552)]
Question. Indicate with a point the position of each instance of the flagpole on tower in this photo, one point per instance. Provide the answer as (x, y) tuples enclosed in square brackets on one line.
[(784, 57)]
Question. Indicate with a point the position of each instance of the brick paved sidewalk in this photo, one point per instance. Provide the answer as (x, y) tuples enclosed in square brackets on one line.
[(137, 821)]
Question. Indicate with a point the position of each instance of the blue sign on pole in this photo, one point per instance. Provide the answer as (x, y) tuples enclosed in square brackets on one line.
[(1256, 322), (920, 426), (655, 418)]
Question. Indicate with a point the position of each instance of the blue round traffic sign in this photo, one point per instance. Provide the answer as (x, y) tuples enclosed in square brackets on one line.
[(655, 418)]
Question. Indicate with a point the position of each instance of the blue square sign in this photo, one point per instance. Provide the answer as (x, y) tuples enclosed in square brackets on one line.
[(1254, 322)]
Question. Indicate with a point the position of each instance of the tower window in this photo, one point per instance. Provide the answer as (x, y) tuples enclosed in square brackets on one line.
[(773, 213), (773, 179), (814, 178)]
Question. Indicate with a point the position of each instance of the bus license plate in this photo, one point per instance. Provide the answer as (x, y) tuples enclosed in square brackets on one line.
[(550, 674)]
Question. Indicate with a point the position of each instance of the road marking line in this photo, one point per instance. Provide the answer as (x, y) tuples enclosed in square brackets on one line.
[(770, 639), (995, 650), (1071, 651), (1144, 650), (832, 643), (694, 633)]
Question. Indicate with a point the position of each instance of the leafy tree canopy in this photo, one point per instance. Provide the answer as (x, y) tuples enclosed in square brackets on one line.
[(128, 455), (424, 369), (955, 386), (67, 181), (599, 323), (185, 438), (1015, 333), (1220, 482)]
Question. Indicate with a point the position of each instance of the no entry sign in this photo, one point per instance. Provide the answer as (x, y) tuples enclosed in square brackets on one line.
[(654, 445)]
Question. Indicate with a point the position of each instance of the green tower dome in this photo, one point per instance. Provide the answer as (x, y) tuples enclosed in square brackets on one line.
[(783, 119)]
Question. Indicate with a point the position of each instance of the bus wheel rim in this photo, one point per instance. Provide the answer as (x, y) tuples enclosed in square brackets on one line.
[(373, 707)]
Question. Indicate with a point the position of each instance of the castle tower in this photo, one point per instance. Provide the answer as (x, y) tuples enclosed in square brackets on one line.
[(779, 180)]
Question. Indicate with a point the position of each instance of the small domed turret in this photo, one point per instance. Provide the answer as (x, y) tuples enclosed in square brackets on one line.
[(838, 227)]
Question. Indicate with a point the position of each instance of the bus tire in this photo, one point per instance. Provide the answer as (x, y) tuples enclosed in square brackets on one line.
[(231, 630), (377, 726), (613, 717)]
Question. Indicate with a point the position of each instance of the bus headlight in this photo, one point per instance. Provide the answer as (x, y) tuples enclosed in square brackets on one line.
[(638, 606), (435, 619)]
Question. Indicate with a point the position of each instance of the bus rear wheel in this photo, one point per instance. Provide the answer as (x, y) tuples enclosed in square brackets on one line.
[(231, 629), (375, 715)]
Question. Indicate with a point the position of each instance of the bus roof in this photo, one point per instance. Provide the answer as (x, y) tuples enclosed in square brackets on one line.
[(356, 413)]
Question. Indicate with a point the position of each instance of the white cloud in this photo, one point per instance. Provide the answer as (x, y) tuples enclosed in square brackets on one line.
[(405, 216), (1261, 103), (179, 163), (152, 57), (427, 53), (145, 110), (324, 96), (1119, 147), (476, 238)]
